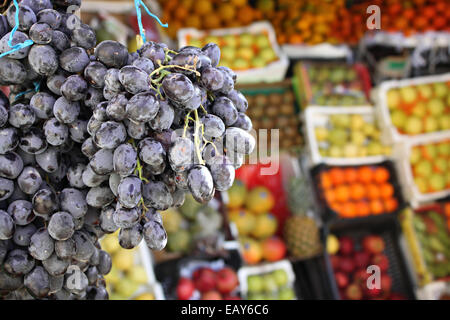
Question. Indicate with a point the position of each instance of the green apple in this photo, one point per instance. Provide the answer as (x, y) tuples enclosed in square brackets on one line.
[(262, 41), (357, 122), (269, 283), (350, 75), (436, 106), (413, 125), (374, 148), (415, 156), (437, 182), (246, 40), (421, 184), (350, 150), (431, 124), (441, 165), (255, 296), (423, 168), (369, 129), (338, 137), (230, 40), (425, 91), (420, 109), (340, 120), (227, 53), (430, 151), (408, 94), (255, 283), (281, 277), (398, 118), (440, 89), (286, 294), (268, 54), (358, 138), (443, 149), (240, 64), (245, 53), (363, 152), (335, 152), (258, 62), (321, 133), (323, 152), (393, 98), (444, 122)]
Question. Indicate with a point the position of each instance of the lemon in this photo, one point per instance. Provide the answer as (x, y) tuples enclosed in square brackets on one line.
[(332, 244)]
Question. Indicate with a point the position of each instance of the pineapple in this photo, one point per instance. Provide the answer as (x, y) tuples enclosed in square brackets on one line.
[(300, 231)]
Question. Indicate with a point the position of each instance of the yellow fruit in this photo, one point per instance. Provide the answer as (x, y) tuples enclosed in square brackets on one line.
[(211, 21), (251, 251), (110, 243), (123, 260), (332, 244), (126, 287), (227, 12), (243, 219), (113, 277), (236, 195), (171, 220), (265, 226), (193, 22), (239, 3), (145, 296), (260, 200), (138, 274), (203, 7)]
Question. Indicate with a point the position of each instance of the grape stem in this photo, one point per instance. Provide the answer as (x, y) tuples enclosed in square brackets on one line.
[(198, 125), (187, 68), (138, 172)]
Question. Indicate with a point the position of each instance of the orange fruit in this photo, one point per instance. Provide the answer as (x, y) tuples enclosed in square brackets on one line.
[(203, 7), (381, 175), (386, 190), (391, 204), (357, 191), (330, 195), (325, 180), (365, 174), (193, 21), (337, 176), (351, 175), (211, 21), (342, 193), (362, 208), (226, 12), (376, 207), (245, 14), (239, 3), (348, 210), (181, 13), (372, 191)]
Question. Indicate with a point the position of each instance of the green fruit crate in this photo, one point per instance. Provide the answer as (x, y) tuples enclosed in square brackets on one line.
[(388, 228), (331, 84), (428, 237), (390, 97)]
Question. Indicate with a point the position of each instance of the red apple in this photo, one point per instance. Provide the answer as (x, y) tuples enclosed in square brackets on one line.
[(381, 261), (361, 259), (346, 264), (345, 245), (373, 244), (341, 279), (386, 283), (353, 292), (185, 288), (205, 280), (232, 298), (334, 260), (273, 249), (226, 280), (372, 293), (211, 295), (361, 276)]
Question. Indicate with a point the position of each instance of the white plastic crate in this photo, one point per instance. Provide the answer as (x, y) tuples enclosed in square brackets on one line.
[(323, 51), (319, 116), (273, 72), (247, 271), (433, 291), (401, 152), (390, 134)]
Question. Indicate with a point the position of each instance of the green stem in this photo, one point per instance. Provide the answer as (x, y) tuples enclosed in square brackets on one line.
[(173, 66)]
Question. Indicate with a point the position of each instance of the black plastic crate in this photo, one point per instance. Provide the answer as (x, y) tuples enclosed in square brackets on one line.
[(389, 229), (331, 216)]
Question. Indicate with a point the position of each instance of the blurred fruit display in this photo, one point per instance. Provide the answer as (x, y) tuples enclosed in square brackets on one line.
[(332, 84), (274, 106), (128, 278), (413, 107), (358, 191), (249, 210), (274, 281), (344, 135), (427, 230), (301, 232), (208, 283), (207, 14)]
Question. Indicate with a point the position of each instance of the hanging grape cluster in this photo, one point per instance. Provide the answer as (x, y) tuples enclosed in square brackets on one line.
[(94, 139)]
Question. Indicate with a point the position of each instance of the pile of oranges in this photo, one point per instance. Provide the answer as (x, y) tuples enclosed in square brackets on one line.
[(358, 191), (207, 14)]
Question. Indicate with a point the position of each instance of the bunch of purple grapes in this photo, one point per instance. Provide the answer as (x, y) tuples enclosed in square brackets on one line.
[(94, 139)]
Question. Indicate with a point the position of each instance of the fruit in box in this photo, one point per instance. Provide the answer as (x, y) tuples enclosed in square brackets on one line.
[(300, 231), (251, 251), (226, 280), (273, 249), (243, 219), (370, 193), (272, 285), (349, 136), (236, 195), (419, 109), (259, 200), (265, 226)]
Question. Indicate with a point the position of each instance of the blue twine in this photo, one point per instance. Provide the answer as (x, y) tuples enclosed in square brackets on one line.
[(37, 85), (137, 4), (18, 46)]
